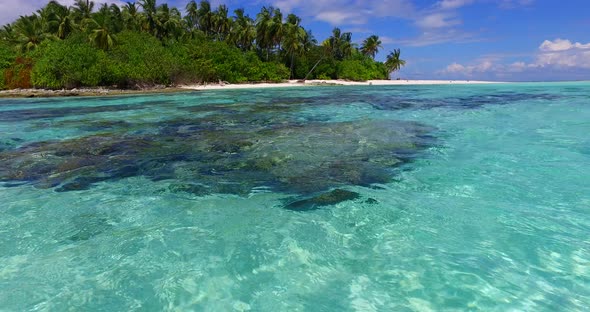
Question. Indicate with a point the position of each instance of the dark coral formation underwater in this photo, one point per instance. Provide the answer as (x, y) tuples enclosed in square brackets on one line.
[(224, 145), (216, 148)]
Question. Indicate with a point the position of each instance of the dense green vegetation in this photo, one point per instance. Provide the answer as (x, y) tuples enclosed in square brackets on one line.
[(143, 44)]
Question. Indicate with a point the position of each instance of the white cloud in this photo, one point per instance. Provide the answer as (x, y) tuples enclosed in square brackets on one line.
[(453, 4), (350, 12), (580, 59), (561, 53), (561, 45), (512, 4), (437, 36), (480, 67), (455, 68), (386, 40), (439, 24), (517, 67), (340, 18), (559, 56), (10, 10), (437, 20)]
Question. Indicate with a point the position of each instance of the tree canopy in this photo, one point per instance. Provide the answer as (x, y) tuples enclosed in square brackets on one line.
[(145, 43)]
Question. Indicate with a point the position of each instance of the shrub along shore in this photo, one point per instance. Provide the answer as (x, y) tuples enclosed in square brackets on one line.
[(143, 44)]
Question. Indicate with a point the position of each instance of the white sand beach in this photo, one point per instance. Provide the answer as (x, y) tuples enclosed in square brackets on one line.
[(297, 83), (226, 86)]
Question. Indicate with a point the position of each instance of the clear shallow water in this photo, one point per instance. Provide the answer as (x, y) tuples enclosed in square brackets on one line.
[(489, 211)]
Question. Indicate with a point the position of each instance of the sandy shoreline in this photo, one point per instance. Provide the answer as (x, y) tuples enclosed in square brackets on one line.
[(296, 83), (35, 93), (32, 93)]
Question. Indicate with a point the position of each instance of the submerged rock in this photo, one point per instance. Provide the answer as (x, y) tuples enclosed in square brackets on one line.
[(8, 144), (371, 201), (194, 189), (231, 150), (87, 226), (326, 199)]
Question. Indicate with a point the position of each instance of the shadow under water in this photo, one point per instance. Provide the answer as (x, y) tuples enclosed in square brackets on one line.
[(231, 149)]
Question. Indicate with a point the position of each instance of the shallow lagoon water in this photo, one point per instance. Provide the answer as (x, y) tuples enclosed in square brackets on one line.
[(468, 198)]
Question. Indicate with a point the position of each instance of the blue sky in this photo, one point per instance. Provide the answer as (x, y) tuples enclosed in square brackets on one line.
[(510, 40)]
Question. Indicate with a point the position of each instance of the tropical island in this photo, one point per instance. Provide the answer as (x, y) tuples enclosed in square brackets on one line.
[(145, 44)]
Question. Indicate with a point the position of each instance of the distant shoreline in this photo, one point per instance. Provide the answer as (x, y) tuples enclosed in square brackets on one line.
[(38, 93), (298, 83), (86, 92)]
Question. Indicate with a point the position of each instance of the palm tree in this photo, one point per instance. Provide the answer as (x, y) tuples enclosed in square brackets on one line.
[(266, 30), (29, 32), (131, 16), (393, 61), (339, 45), (169, 22), (101, 28), (371, 46), (277, 30), (294, 38), (220, 22), (149, 11), (192, 14), (243, 32), (57, 19), (205, 17), (8, 34), (309, 41), (82, 10), (116, 18), (47, 18)]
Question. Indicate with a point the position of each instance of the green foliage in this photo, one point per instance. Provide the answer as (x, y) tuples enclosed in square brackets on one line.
[(7, 57), (352, 70), (148, 42), (305, 62), (219, 61), (141, 59), (68, 64), (393, 62), (361, 68), (265, 71), (326, 69)]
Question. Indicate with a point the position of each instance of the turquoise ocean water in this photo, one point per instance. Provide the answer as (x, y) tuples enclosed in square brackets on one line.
[(449, 198)]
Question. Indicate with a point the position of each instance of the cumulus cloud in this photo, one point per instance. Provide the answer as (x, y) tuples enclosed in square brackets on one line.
[(10, 10), (517, 67), (561, 45), (560, 56), (349, 12), (386, 40), (512, 4), (440, 23), (437, 20), (469, 70), (453, 4), (437, 36), (563, 53), (340, 18)]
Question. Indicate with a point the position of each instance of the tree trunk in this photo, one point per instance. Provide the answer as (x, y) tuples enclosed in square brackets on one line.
[(314, 66), (292, 57)]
